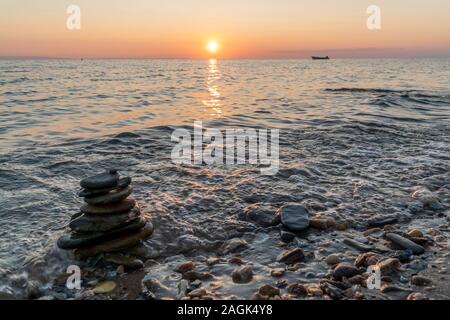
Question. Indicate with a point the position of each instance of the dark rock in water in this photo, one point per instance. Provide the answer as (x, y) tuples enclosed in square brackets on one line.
[(421, 281), (74, 241), (297, 289), (262, 215), (118, 244), (103, 180), (334, 292), (34, 290), (234, 245), (287, 236), (402, 255), (291, 256), (381, 221), (295, 217), (357, 245), (123, 183), (242, 274), (270, 198), (113, 208), (428, 198), (269, 291), (392, 288), (405, 243), (185, 267), (111, 197), (419, 240), (102, 223), (127, 135), (124, 260), (196, 275), (344, 270)]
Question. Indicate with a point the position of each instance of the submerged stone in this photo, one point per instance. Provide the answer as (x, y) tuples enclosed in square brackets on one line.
[(117, 244), (78, 240), (381, 221), (262, 215), (291, 256), (405, 243), (295, 217), (242, 274), (345, 270)]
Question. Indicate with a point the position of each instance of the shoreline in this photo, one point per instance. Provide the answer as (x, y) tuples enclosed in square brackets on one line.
[(219, 218)]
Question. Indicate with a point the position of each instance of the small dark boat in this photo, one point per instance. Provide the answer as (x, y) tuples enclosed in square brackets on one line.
[(320, 58)]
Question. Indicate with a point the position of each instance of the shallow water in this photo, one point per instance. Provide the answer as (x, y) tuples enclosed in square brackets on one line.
[(357, 137)]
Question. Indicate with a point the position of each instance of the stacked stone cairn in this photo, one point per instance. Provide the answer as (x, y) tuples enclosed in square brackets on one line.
[(109, 223)]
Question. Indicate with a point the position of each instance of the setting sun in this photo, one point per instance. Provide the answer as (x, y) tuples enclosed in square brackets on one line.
[(213, 46)]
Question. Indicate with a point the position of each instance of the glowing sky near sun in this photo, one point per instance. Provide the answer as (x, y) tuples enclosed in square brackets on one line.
[(241, 28)]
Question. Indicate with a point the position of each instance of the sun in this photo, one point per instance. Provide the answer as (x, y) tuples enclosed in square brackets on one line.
[(212, 46)]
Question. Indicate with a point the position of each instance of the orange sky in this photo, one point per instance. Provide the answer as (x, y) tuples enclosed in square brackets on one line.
[(244, 28)]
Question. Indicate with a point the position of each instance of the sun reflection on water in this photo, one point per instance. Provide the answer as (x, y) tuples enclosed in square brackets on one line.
[(213, 105)]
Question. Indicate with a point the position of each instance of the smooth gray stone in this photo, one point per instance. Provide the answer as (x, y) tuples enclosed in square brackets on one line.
[(102, 223), (295, 217), (107, 209), (74, 241), (123, 183), (359, 246), (381, 221), (100, 181), (405, 243), (111, 197)]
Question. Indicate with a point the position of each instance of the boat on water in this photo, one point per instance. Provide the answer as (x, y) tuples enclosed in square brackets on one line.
[(320, 58)]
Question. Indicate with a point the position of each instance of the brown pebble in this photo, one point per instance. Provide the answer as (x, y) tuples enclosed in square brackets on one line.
[(297, 289), (195, 275), (342, 226), (314, 290), (420, 281), (120, 269), (242, 274), (185, 267), (278, 272), (235, 260), (417, 296), (389, 265), (197, 293), (291, 256), (332, 259), (269, 291), (415, 233)]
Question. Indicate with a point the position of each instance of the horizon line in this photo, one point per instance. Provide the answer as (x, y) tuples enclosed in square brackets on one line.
[(447, 56)]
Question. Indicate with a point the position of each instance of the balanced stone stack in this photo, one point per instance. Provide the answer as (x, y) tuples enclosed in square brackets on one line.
[(110, 221)]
